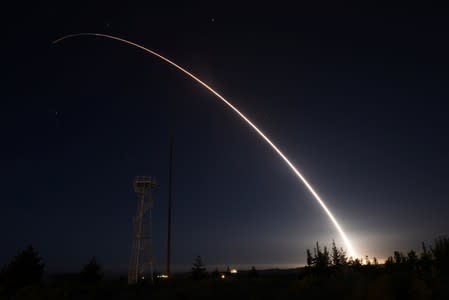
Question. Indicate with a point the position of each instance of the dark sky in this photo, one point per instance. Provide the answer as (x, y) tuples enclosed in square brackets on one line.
[(356, 97)]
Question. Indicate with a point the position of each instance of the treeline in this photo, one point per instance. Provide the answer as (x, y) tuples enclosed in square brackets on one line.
[(329, 273), (26, 269), (199, 271), (432, 261)]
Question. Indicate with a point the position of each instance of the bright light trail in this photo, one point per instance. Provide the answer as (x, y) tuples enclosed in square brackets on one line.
[(349, 247)]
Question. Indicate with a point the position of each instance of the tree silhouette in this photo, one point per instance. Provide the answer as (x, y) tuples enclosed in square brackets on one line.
[(26, 268), (253, 272), (408, 274), (215, 273), (310, 259), (412, 261), (338, 257), (389, 263), (320, 261), (198, 269), (425, 260), (356, 264), (399, 258), (335, 255), (91, 273), (367, 261), (321, 258), (228, 271), (440, 252)]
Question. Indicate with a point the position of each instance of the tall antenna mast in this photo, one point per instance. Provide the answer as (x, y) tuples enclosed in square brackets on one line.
[(170, 196)]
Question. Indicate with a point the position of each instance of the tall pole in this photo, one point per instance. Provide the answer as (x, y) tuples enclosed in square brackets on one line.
[(170, 195)]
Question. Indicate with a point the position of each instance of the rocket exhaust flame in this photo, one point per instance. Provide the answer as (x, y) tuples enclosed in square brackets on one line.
[(273, 146)]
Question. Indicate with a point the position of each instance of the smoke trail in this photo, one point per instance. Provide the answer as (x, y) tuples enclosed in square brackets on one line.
[(275, 148)]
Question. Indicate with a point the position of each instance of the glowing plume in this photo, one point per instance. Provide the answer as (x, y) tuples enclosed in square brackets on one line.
[(275, 148)]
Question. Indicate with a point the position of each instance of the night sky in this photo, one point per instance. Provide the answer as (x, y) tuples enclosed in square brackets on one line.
[(356, 97)]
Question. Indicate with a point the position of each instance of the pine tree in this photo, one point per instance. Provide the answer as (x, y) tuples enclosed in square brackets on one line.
[(228, 271), (425, 261), (440, 252), (253, 272), (389, 263), (367, 261), (399, 258), (215, 273), (26, 268), (91, 272), (198, 269), (412, 261), (310, 259), (336, 257), (356, 264), (321, 258)]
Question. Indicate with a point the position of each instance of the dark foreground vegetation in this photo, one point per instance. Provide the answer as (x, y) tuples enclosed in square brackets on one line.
[(328, 274)]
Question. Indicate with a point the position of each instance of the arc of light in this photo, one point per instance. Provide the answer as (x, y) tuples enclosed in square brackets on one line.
[(248, 121)]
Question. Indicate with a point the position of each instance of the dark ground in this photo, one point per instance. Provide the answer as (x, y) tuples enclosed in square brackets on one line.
[(365, 284), (329, 273)]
